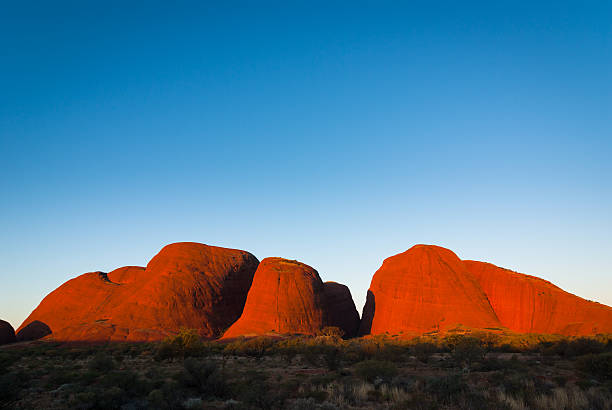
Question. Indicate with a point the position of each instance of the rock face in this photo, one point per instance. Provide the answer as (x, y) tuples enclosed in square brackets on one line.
[(33, 331), (527, 304), (427, 288), (7, 333), (286, 297), (341, 308), (186, 284)]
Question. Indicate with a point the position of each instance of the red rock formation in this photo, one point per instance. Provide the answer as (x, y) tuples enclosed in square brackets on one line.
[(528, 304), (426, 288), (185, 285), (341, 308), (33, 331), (7, 333), (286, 297)]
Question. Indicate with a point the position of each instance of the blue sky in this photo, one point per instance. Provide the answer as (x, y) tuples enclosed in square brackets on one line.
[(334, 133)]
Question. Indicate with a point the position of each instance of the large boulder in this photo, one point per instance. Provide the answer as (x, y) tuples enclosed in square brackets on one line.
[(33, 331), (186, 285), (7, 333), (286, 297), (425, 289), (342, 312), (528, 304)]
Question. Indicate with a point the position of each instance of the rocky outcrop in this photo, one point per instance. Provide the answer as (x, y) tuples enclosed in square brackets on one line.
[(186, 284), (7, 333), (341, 308), (528, 304), (217, 290), (33, 331), (425, 289), (428, 288), (286, 297)]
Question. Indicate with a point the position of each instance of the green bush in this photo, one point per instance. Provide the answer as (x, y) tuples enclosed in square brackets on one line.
[(584, 345), (128, 380), (370, 370), (446, 387), (101, 362), (332, 357), (256, 347), (573, 348), (184, 344), (288, 353), (255, 392), (312, 355), (204, 376), (60, 376), (7, 358), (423, 351), (465, 350), (599, 365), (11, 383)]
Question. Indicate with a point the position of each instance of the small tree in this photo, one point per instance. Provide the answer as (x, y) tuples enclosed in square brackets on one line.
[(370, 370), (465, 349), (332, 331)]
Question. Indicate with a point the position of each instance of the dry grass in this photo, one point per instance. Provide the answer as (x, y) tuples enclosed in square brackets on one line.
[(261, 374)]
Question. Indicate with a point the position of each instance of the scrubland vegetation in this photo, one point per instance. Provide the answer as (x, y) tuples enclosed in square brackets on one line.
[(462, 370)]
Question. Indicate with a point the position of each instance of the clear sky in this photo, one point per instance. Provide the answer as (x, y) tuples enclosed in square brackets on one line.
[(335, 133)]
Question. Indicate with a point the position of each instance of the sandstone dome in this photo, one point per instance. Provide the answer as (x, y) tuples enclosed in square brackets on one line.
[(7, 333), (527, 304), (425, 289), (341, 308), (186, 284), (286, 297)]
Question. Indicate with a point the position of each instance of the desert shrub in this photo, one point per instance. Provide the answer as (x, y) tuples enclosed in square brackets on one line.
[(7, 358), (94, 397), (311, 354), (289, 348), (288, 353), (490, 365), (332, 357), (371, 347), (75, 353), (446, 388), (255, 391), (156, 398), (128, 380), (371, 370), (193, 403), (523, 387), (465, 349), (423, 351), (332, 331), (11, 383), (488, 341), (352, 352), (184, 344), (101, 362), (322, 379), (60, 376), (572, 348), (599, 365), (166, 396), (582, 346), (110, 398), (303, 404), (256, 347), (204, 376), (391, 352), (560, 380)]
